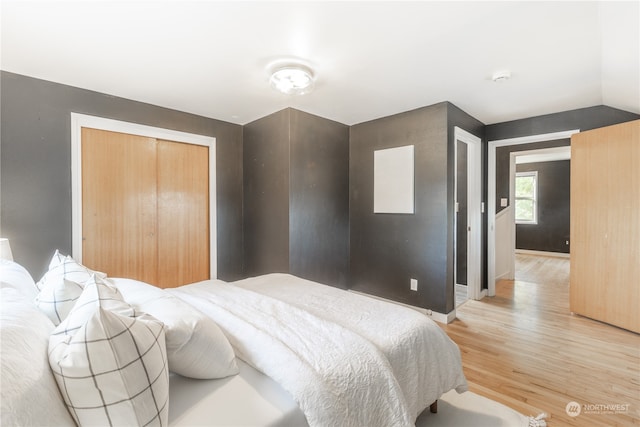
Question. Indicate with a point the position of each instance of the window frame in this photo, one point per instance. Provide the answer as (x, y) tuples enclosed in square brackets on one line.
[(533, 199)]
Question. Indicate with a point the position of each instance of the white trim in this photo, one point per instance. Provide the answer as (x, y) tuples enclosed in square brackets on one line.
[(474, 206), (438, 317), (78, 121), (491, 196), (543, 253)]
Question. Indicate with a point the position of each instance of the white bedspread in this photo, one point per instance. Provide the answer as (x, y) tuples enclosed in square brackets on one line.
[(337, 377), (424, 360)]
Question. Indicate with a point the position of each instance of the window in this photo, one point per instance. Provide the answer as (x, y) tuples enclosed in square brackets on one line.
[(526, 197)]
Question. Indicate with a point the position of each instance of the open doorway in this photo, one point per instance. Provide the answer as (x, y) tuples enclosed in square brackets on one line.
[(468, 219), (501, 234)]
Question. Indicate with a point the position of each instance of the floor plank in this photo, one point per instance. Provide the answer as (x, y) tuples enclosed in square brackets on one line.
[(525, 349)]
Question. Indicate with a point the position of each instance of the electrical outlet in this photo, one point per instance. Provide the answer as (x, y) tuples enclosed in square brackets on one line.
[(566, 242), (414, 284)]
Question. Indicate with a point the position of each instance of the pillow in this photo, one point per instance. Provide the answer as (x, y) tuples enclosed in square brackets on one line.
[(30, 395), (61, 286), (111, 368), (196, 346), (13, 275), (65, 267), (57, 298)]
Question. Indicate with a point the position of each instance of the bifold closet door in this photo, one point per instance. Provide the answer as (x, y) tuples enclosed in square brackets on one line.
[(183, 213), (145, 208), (119, 204)]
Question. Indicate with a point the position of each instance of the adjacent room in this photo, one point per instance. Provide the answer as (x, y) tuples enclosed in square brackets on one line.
[(320, 213)]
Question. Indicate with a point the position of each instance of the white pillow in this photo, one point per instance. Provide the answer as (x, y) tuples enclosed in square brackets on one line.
[(61, 286), (13, 275), (196, 346), (112, 369), (30, 395), (65, 267), (57, 298)]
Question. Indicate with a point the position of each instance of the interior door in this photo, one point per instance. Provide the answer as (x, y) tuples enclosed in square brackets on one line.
[(183, 213), (145, 208), (119, 204)]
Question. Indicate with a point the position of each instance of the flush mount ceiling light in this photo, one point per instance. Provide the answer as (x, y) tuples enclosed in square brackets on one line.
[(501, 76), (295, 79)]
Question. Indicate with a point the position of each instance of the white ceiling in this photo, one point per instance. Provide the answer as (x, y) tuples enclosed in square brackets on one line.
[(372, 59)]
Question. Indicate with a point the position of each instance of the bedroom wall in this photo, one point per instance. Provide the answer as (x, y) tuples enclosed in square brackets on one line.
[(387, 250), (296, 181), (551, 232), (36, 166), (266, 194)]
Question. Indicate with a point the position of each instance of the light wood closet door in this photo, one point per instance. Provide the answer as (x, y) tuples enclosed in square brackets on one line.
[(605, 225), (183, 213), (119, 204), (145, 208)]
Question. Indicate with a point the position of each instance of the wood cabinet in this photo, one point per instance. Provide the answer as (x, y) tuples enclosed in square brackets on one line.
[(145, 208), (605, 225)]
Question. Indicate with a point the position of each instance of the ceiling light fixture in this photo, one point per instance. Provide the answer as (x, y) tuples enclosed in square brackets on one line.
[(295, 79), (501, 76)]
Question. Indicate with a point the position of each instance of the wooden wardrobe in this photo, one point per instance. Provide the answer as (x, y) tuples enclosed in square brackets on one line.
[(145, 208), (605, 225)]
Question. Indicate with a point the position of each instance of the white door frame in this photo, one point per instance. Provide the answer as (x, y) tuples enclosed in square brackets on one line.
[(78, 121), (491, 196), (474, 216)]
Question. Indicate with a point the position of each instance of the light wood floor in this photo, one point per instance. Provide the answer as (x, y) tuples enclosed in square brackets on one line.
[(523, 348)]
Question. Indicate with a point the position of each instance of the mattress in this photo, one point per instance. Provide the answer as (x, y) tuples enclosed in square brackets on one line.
[(247, 399)]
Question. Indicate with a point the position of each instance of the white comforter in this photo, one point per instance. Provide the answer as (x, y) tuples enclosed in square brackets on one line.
[(424, 360), (337, 377)]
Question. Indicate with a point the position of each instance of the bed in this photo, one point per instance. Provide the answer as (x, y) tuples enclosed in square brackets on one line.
[(295, 353)]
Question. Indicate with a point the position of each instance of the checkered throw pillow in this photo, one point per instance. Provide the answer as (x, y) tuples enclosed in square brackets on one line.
[(111, 367), (61, 286), (57, 298), (64, 267)]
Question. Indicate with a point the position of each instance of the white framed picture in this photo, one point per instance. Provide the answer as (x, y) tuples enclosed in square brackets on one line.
[(393, 180)]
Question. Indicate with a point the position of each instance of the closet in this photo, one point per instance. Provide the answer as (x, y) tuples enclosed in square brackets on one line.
[(145, 208), (605, 225)]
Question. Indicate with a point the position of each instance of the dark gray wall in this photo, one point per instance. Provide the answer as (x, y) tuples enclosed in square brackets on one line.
[(583, 119), (319, 199), (387, 250), (36, 166), (266, 195), (551, 232), (296, 192)]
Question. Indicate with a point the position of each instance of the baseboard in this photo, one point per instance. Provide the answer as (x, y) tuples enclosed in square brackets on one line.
[(504, 275), (542, 253), (434, 315)]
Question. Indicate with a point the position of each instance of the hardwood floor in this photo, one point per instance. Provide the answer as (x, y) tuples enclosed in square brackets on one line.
[(523, 348)]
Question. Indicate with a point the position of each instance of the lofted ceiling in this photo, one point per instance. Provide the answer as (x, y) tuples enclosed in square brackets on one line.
[(371, 59)]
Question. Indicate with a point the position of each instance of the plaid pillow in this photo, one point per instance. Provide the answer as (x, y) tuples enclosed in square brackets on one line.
[(111, 368), (64, 267), (57, 298)]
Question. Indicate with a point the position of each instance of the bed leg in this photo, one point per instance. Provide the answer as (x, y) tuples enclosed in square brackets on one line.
[(434, 407)]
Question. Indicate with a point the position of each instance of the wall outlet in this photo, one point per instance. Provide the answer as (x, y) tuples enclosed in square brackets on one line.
[(414, 284), (504, 202)]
